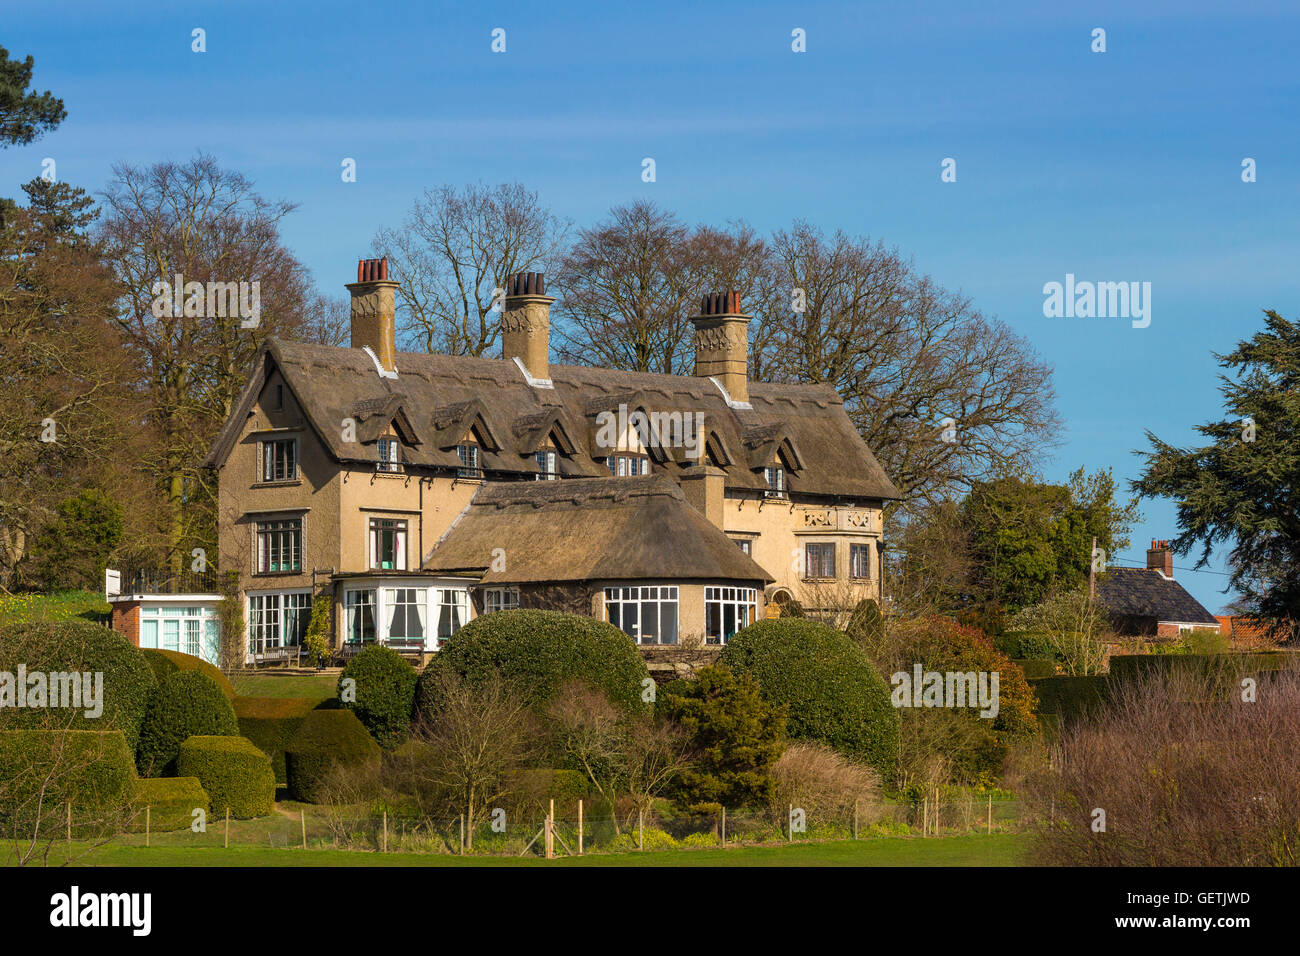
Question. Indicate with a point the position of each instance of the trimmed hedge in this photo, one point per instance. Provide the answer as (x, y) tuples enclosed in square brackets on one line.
[(1036, 667), (171, 802), (384, 693), (166, 663), (72, 646), (831, 691), (1070, 698), (188, 703), (1024, 645), (234, 773), (326, 739), (1131, 667), (270, 723), (537, 651), (92, 769)]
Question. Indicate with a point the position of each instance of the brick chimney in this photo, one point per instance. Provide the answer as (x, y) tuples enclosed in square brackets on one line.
[(1160, 558), (722, 344), (374, 311), (526, 323)]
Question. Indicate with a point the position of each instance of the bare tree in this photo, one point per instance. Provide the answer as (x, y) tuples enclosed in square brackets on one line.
[(483, 733), (207, 225), (455, 249)]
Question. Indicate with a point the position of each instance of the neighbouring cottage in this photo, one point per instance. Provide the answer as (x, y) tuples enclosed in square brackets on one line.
[(1148, 602), (418, 491)]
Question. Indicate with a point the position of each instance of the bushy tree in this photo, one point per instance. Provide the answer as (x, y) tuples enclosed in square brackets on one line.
[(378, 685), (736, 737), (1239, 488), (73, 550), (828, 686), (184, 705)]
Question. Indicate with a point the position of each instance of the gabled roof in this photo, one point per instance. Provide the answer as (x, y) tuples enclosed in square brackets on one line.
[(1140, 592), (374, 415), (590, 529), (328, 381)]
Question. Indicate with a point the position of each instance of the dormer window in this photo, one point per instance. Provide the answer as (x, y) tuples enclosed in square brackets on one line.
[(546, 465), (623, 466), (469, 461), (388, 455), (775, 475)]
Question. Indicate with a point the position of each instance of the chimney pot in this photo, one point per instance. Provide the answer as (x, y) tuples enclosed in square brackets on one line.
[(526, 323), (722, 343), (374, 308)]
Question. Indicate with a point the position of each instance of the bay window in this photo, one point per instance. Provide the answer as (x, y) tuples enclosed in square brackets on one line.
[(453, 611), (405, 608), (359, 616), (859, 560), (819, 560), (726, 611), (648, 614), (500, 599)]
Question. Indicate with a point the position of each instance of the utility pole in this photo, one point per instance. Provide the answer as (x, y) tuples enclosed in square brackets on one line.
[(1092, 571)]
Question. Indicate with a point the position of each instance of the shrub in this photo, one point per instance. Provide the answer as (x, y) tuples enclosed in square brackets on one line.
[(384, 694), (171, 802), (830, 690), (187, 704), (42, 770), (1070, 698), (72, 646), (536, 652), (735, 733), (320, 630), (234, 773), (270, 723), (1184, 782), (325, 739), (1025, 645), (820, 781), (1036, 668), (166, 663)]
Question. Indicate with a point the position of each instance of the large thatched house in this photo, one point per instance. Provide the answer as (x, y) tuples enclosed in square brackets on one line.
[(420, 490)]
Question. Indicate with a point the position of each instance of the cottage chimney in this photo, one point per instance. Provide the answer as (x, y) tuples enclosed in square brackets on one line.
[(1160, 558), (374, 308), (704, 487), (722, 344), (526, 323)]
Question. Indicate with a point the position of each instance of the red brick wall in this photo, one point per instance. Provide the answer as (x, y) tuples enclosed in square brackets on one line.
[(126, 620)]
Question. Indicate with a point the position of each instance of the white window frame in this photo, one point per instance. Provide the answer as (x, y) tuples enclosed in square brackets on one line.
[(546, 465), (742, 602), (775, 489), (456, 601), (471, 460), (387, 453), (500, 599), (273, 635), (352, 607), (638, 597)]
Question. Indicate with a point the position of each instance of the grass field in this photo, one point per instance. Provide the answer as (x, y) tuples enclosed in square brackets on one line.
[(976, 850), (21, 608), (306, 686)]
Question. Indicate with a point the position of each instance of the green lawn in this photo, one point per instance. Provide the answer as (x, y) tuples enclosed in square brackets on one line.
[(307, 686), (21, 608), (977, 850)]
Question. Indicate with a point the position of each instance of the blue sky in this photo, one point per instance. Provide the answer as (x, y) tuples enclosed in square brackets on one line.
[(1115, 166)]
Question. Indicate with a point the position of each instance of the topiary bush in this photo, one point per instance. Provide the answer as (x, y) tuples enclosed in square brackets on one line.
[(270, 723), (41, 771), (234, 773), (87, 648), (166, 663), (383, 695), (186, 704), (537, 652), (171, 802), (829, 689), (324, 740)]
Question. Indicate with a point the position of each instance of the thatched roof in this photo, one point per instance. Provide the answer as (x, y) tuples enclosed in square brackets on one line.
[(438, 397), (590, 529)]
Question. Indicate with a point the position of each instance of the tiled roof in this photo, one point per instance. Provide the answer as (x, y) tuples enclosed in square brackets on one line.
[(1140, 592)]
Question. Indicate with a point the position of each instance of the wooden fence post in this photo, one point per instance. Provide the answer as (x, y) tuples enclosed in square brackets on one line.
[(789, 823), (550, 831), (855, 819), (384, 846), (990, 813), (724, 826), (462, 834), (640, 829), (146, 825), (69, 829), (227, 826), (302, 818), (925, 814), (580, 826)]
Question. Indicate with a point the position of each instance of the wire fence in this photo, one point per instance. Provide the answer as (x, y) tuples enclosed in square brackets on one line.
[(572, 829)]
